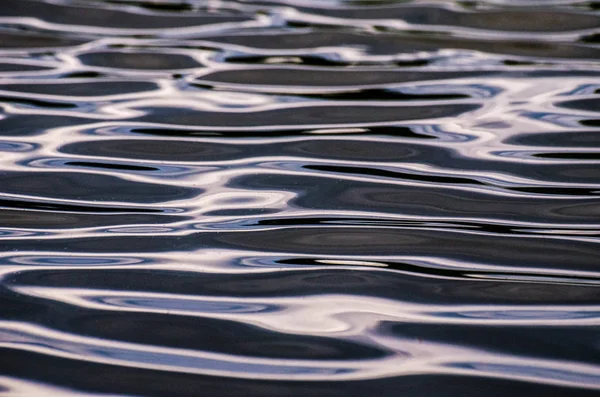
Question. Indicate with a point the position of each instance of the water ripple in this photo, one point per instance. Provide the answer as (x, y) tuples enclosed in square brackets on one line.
[(299, 197)]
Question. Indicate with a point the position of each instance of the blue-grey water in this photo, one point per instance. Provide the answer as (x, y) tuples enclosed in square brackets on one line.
[(292, 198)]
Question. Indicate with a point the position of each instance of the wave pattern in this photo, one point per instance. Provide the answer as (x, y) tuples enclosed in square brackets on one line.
[(299, 197)]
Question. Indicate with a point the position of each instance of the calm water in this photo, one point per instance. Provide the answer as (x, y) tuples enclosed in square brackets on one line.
[(299, 198)]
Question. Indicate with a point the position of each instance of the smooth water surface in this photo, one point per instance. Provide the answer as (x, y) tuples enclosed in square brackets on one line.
[(299, 198)]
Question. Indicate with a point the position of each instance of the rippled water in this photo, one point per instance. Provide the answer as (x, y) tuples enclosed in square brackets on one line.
[(299, 198)]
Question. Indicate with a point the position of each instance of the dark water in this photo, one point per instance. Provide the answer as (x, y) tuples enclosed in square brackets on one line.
[(300, 198)]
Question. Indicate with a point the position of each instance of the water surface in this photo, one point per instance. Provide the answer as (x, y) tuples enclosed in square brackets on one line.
[(299, 198)]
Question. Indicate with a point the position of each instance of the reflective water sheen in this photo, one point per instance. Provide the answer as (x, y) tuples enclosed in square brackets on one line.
[(299, 198)]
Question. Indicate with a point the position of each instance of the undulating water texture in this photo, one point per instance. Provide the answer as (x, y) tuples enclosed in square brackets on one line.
[(297, 198)]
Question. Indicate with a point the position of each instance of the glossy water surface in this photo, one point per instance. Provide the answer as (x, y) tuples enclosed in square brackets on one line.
[(299, 198)]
